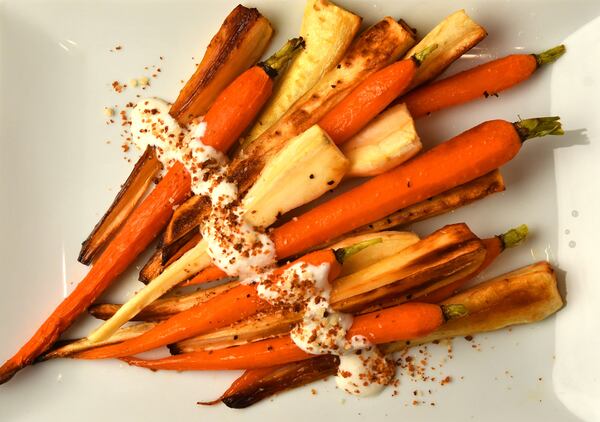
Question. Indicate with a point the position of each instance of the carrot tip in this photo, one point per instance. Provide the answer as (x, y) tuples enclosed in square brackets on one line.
[(550, 55)]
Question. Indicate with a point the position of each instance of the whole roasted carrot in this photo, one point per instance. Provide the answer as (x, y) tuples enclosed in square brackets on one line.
[(494, 247), (461, 159), (370, 98), (141, 228), (147, 220), (483, 80), (237, 106), (402, 322), (226, 308)]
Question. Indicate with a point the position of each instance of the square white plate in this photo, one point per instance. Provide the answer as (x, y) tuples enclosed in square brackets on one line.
[(57, 175)]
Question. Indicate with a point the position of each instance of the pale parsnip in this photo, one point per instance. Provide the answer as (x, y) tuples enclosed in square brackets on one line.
[(523, 296), (392, 242), (307, 167), (454, 36), (327, 30), (388, 141), (447, 254)]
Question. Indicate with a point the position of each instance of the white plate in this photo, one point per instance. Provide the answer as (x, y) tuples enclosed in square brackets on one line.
[(57, 175)]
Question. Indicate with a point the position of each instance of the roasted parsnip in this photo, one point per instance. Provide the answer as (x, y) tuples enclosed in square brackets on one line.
[(392, 242), (454, 36), (523, 296), (136, 185), (327, 30), (162, 308), (389, 140), (241, 40), (448, 254), (527, 295), (376, 47), (306, 167), (69, 348), (252, 329)]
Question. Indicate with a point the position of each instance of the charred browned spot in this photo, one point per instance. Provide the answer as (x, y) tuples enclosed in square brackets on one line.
[(283, 377), (185, 219), (142, 175), (222, 48)]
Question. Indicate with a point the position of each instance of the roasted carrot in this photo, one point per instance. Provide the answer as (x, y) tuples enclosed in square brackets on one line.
[(248, 378), (208, 274), (402, 322), (371, 97), (459, 160), (141, 228), (226, 308), (237, 106), (257, 384), (494, 247), (483, 80)]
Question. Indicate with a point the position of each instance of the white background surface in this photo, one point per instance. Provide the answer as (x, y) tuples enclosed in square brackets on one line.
[(57, 175)]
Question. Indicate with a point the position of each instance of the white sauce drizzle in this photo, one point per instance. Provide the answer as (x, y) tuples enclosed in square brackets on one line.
[(240, 250), (234, 245)]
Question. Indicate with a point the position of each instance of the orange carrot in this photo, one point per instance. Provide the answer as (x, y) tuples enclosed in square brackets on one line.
[(402, 322), (149, 218), (483, 80), (237, 106), (494, 247), (370, 98), (208, 274), (226, 308), (459, 160), (140, 229)]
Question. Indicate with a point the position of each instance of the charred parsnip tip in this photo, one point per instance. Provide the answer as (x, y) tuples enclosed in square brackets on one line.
[(143, 174), (328, 30), (527, 295), (241, 40), (70, 348), (454, 36)]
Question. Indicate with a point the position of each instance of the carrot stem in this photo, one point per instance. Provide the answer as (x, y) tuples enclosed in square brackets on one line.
[(550, 55), (273, 65), (538, 127), (420, 56), (514, 237)]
